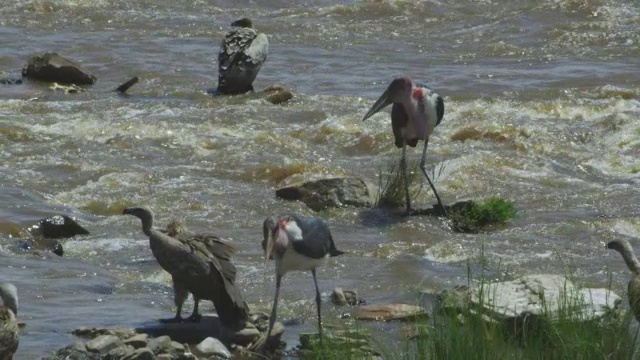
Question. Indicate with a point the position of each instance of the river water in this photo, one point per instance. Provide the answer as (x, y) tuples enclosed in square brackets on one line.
[(551, 87)]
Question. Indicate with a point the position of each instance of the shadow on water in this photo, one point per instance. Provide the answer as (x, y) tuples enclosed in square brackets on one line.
[(377, 217), (384, 217)]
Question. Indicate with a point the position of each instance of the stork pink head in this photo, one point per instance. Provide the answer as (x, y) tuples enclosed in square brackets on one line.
[(400, 87), (397, 92), (281, 236)]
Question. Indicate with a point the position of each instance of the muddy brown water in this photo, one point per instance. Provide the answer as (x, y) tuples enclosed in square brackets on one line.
[(550, 88)]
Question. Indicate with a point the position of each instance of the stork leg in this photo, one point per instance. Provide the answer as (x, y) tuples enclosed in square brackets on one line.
[(195, 316), (318, 301), (274, 310), (403, 168), (423, 162)]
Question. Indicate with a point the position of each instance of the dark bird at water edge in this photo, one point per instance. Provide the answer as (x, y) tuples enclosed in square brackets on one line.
[(198, 264)]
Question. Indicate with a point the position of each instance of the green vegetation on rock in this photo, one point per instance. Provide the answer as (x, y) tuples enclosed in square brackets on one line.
[(474, 216)]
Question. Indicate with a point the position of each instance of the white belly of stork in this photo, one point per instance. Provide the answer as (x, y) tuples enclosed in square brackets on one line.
[(292, 260)]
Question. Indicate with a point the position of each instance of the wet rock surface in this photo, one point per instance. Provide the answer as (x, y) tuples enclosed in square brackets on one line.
[(51, 67), (330, 192), (277, 94), (435, 209), (42, 244), (519, 301), (45, 235), (389, 312), (206, 339), (341, 297), (58, 227)]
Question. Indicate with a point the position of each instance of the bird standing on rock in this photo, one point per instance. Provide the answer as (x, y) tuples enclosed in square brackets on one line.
[(415, 113), (297, 243), (242, 53), (198, 264), (9, 337), (633, 290)]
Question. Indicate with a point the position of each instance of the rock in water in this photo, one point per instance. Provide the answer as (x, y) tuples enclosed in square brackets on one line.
[(518, 302), (389, 312), (51, 67), (330, 192), (276, 94), (40, 243), (341, 297), (58, 226)]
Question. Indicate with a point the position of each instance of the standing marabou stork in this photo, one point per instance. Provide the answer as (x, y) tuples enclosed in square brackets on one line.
[(416, 111), (242, 53), (297, 243)]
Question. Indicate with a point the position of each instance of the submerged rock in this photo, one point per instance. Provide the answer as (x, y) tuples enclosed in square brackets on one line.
[(343, 297), (43, 244), (51, 67), (277, 94), (11, 81), (389, 312), (330, 192)]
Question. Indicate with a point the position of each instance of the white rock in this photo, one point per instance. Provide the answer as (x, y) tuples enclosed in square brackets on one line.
[(212, 346)]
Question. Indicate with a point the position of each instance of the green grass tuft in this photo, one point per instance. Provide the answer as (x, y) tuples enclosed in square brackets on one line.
[(473, 216), (463, 332), (391, 184)]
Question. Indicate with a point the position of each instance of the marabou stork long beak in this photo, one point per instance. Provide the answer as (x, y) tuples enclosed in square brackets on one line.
[(383, 101)]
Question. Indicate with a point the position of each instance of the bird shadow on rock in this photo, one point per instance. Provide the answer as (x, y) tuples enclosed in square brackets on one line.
[(188, 332), (380, 217)]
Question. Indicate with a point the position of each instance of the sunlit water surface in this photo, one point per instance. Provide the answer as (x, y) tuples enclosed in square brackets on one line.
[(551, 87)]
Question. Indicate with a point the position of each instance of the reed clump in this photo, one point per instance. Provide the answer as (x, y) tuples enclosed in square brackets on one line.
[(391, 184)]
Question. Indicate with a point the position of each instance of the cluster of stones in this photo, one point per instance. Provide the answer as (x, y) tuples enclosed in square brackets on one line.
[(121, 344), (137, 344)]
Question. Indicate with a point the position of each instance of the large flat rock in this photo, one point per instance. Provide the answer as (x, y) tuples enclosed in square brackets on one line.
[(51, 67), (330, 192), (542, 294)]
